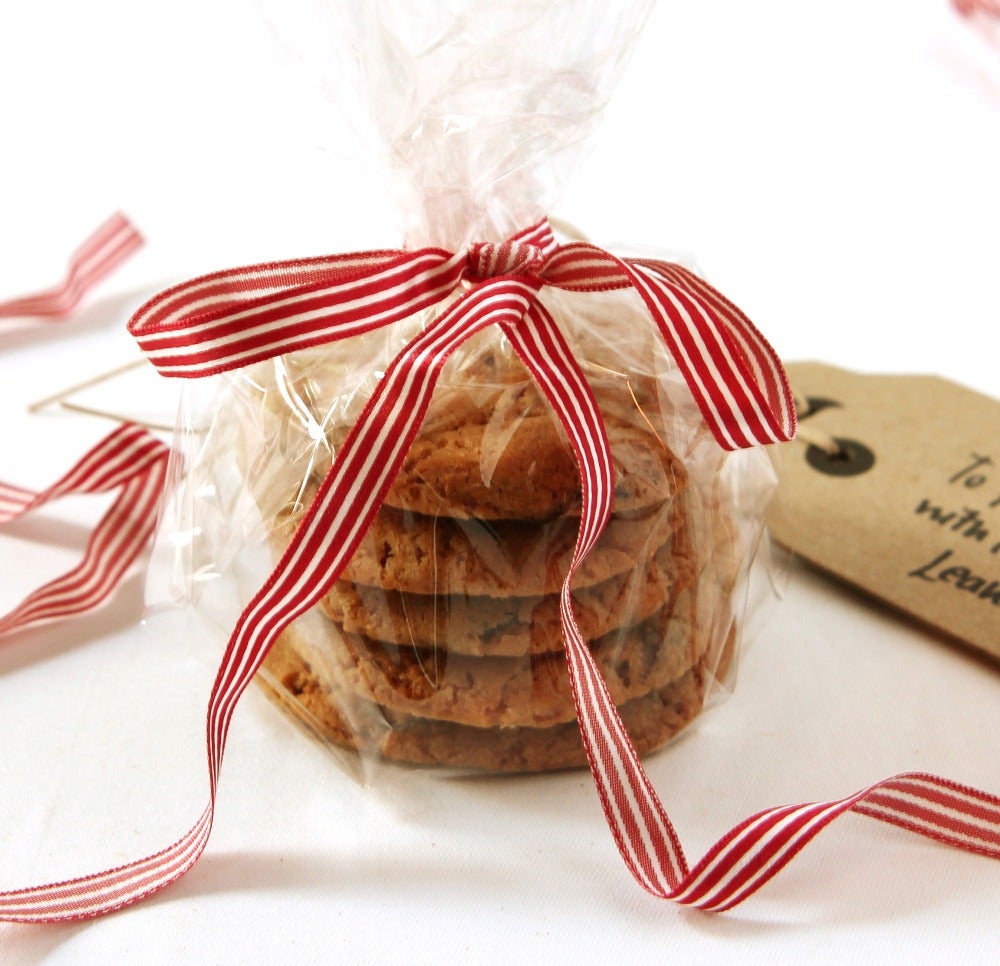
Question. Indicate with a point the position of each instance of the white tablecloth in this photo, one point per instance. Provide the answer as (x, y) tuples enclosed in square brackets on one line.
[(834, 170)]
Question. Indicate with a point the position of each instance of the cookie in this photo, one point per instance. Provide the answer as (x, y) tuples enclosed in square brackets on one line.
[(488, 692), (506, 456), (490, 446), (651, 721), (294, 687), (497, 558), (507, 626)]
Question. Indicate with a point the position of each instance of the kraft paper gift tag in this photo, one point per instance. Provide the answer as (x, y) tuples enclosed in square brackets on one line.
[(905, 500)]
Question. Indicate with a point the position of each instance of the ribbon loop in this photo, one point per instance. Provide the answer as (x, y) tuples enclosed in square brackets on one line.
[(234, 318)]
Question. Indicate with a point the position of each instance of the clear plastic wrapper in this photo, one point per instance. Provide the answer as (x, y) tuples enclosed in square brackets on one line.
[(440, 644)]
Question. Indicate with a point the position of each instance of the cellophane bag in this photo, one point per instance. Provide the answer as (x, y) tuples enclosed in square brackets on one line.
[(440, 643)]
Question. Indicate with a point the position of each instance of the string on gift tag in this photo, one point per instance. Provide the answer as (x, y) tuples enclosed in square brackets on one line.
[(104, 250), (62, 399), (808, 434), (226, 320), (832, 455)]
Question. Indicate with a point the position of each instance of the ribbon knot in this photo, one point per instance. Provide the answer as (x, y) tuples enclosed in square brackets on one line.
[(487, 260)]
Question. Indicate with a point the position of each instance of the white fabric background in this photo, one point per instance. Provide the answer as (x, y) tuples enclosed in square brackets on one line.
[(833, 168)]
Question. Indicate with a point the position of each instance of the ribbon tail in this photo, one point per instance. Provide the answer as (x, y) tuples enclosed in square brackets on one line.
[(639, 824), (756, 850), (105, 892), (734, 374), (752, 853)]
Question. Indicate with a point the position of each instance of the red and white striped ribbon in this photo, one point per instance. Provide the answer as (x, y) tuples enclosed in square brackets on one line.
[(102, 252), (193, 330), (969, 8), (131, 461), (229, 319)]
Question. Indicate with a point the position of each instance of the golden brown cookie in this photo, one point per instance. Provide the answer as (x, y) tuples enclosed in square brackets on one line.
[(533, 691), (651, 720), (507, 626), (506, 457), (500, 558), (303, 694), (490, 446)]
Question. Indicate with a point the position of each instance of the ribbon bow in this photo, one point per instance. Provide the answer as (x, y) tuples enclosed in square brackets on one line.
[(233, 318), (230, 319)]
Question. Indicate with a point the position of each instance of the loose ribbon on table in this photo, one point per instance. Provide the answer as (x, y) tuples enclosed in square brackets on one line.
[(229, 319), (969, 8), (103, 251), (134, 463)]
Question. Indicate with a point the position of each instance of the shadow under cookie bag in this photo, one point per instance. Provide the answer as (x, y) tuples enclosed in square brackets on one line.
[(490, 501)]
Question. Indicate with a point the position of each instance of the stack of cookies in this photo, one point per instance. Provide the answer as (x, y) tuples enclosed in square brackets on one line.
[(441, 643)]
